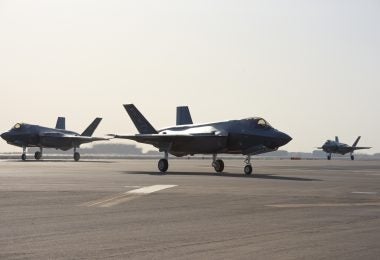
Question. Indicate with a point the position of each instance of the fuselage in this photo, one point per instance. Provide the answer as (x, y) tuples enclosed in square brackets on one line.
[(28, 135), (245, 136), (336, 147)]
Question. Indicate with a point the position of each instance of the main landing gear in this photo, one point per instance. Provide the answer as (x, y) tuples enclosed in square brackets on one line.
[(329, 156), (38, 154), (76, 154), (163, 164), (352, 157), (218, 164)]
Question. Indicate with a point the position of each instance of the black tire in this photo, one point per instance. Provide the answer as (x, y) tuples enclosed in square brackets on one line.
[(218, 165), (163, 165), (352, 157), (76, 156), (23, 157), (248, 169), (37, 155), (329, 157)]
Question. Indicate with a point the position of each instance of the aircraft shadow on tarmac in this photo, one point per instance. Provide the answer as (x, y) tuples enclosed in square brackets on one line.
[(58, 160), (226, 174)]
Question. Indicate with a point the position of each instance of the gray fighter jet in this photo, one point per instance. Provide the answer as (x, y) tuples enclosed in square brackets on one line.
[(248, 136), (331, 147), (27, 135)]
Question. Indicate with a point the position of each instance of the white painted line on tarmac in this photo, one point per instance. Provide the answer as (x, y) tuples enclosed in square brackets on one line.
[(126, 196), (150, 189), (364, 192), (324, 205)]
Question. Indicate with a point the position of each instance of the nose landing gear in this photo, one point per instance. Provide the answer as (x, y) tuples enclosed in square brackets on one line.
[(248, 167), (23, 156)]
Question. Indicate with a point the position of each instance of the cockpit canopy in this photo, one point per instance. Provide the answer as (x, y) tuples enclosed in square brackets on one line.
[(17, 126), (260, 123)]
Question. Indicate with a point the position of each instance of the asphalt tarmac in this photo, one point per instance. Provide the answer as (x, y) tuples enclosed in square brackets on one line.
[(124, 209)]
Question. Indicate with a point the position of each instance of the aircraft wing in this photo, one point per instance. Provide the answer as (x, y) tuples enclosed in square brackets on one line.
[(163, 139), (360, 148), (78, 139)]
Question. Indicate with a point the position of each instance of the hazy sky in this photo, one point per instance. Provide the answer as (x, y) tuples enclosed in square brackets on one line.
[(311, 68)]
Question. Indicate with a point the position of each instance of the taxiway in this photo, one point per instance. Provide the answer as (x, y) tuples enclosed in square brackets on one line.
[(125, 209)]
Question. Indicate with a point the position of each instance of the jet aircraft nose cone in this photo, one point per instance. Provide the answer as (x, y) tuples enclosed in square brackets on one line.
[(5, 136), (285, 138)]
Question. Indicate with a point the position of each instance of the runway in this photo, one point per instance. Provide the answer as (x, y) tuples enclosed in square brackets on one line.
[(124, 209)]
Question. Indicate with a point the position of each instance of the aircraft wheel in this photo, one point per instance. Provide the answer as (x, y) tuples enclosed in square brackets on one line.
[(163, 165), (76, 156), (23, 157), (218, 165), (37, 155), (352, 157), (248, 169), (328, 157)]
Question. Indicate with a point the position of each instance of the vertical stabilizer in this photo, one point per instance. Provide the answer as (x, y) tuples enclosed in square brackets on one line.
[(92, 127), (61, 123), (142, 125), (356, 141), (336, 139), (183, 116)]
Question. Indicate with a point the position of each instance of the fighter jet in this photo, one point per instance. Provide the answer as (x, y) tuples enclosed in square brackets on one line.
[(27, 135), (248, 137), (331, 147)]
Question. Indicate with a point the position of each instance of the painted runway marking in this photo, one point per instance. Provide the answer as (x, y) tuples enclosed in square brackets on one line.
[(125, 196), (150, 189), (324, 205), (364, 192)]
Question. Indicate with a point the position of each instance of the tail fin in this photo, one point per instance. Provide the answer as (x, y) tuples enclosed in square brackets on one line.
[(356, 141), (183, 116), (92, 127), (142, 125), (336, 139), (61, 123)]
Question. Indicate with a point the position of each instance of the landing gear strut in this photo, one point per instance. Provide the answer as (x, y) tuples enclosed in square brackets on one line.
[(163, 164), (248, 165), (76, 155), (38, 154), (218, 164), (329, 157), (23, 156)]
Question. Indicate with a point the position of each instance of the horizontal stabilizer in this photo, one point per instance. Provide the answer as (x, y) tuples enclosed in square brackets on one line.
[(142, 125), (92, 127), (61, 123), (183, 116), (361, 148)]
